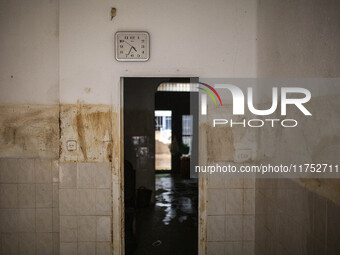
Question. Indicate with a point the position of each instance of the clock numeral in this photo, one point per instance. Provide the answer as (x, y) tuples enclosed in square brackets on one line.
[(126, 37), (138, 55), (120, 46), (142, 41), (143, 46), (121, 52), (132, 37), (143, 51), (121, 41)]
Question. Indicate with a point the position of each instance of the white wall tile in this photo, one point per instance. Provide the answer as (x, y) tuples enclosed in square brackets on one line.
[(26, 171), (86, 202), (215, 228), (216, 183), (68, 175), (68, 249), (68, 229), (103, 202), (8, 196), (233, 183), (27, 220), (8, 171), (249, 201), (55, 195), (44, 220), (102, 175), (68, 201), (87, 248), (215, 248), (103, 248), (234, 201), (233, 248), (216, 201), (55, 171), (103, 232), (249, 248), (43, 195), (86, 228), (10, 243), (27, 243), (55, 220), (44, 244), (86, 175), (56, 243), (233, 228), (249, 183), (26, 195), (43, 170), (9, 220), (249, 228)]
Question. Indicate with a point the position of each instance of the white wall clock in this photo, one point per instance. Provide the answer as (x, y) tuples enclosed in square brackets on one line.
[(132, 46)]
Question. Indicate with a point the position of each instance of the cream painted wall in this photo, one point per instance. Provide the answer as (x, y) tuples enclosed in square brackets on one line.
[(188, 38), (29, 62)]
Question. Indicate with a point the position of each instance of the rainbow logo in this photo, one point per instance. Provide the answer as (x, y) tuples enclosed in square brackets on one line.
[(209, 93)]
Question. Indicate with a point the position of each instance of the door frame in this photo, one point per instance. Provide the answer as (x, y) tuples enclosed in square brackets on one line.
[(118, 224)]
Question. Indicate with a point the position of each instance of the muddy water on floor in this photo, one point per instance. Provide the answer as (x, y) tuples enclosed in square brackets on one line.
[(169, 226)]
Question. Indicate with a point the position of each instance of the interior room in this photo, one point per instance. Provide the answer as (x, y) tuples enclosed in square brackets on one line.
[(98, 139), (161, 201)]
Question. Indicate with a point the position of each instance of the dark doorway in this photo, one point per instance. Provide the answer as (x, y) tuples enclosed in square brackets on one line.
[(161, 207)]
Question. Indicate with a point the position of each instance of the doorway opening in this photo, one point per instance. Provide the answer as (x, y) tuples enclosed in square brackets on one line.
[(163, 140), (160, 198)]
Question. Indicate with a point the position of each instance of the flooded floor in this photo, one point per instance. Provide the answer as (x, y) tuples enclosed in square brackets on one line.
[(169, 226)]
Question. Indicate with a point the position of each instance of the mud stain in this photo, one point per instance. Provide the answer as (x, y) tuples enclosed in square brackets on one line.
[(81, 131), (29, 130), (220, 144), (91, 127)]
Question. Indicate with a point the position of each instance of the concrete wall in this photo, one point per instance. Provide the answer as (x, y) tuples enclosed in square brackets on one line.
[(300, 216)]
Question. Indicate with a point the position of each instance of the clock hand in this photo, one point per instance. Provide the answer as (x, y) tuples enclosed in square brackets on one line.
[(131, 46), (129, 51), (128, 43)]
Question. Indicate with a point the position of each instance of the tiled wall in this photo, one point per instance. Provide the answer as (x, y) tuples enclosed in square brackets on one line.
[(85, 208), (29, 206), (231, 222), (292, 220)]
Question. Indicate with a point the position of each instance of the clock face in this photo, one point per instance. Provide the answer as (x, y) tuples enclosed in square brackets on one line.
[(132, 46)]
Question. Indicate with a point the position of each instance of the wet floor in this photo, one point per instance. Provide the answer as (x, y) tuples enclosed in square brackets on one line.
[(169, 226)]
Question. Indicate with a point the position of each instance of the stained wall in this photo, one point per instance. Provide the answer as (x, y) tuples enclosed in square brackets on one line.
[(300, 216)]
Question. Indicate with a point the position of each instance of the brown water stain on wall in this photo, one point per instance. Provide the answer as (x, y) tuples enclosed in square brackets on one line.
[(29, 130), (327, 188), (220, 144), (90, 126), (117, 143)]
